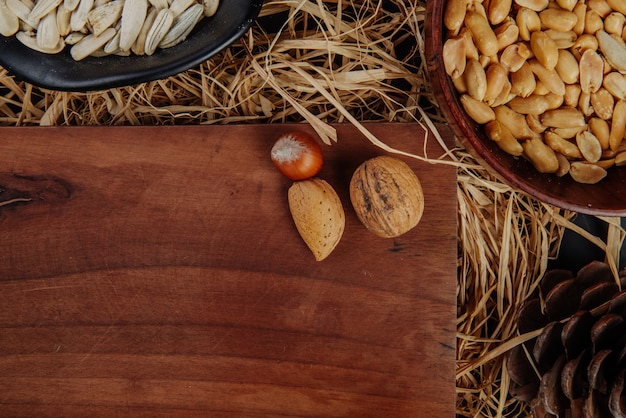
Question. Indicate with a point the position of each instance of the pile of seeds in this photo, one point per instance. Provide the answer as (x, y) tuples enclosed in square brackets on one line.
[(102, 27), (546, 78)]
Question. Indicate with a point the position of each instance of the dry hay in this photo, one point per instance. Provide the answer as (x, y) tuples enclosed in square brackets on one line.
[(320, 62)]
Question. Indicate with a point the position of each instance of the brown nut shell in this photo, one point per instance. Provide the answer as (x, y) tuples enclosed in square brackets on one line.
[(318, 214), (387, 196)]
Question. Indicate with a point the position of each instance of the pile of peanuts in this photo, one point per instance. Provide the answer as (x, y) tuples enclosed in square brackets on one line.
[(546, 78)]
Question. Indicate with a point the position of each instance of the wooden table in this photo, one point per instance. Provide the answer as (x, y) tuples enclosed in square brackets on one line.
[(155, 271)]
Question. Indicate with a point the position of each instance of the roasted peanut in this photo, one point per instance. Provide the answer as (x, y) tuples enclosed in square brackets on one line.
[(535, 5), (602, 102), (568, 133), (600, 128), (471, 52), (514, 56), (498, 10), (479, 111), (558, 19), (591, 67), (535, 124), (562, 145), (615, 83), (620, 159), (589, 146), (565, 117), (554, 101), (454, 59), (584, 104), (544, 48), (580, 10), (586, 173), (541, 89), (503, 138), (572, 95), (454, 14), (541, 156), (584, 42), (527, 21), (606, 163), (567, 67), (523, 81), (614, 23), (617, 5), (514, 122), (484, 37), (459, 84), (618, 125), (564, 165), (497, 77), (547, 79), (593, 22), (562, 39), (504, 96), (601, 7), (533, 104), (475, 79), (613, 49), (506, 33), (567, 4)]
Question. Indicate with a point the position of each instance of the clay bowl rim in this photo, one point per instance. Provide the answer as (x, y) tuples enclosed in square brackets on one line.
[(562, 192)]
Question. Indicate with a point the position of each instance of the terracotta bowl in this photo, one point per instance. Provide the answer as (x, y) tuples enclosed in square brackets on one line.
[(607, 198)]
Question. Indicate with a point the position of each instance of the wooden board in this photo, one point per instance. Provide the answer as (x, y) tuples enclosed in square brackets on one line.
[(155, 271)]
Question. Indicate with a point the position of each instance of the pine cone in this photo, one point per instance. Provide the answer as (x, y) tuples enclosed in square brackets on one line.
[(576, 366)]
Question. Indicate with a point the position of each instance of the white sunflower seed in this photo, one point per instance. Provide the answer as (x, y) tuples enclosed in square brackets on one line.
[(160, 4), (73, 38), (183, 25), (133, 17), (21, 10), (140, 43), (70, 4), (179, 6), (31, 42), (90, 44), (48, 36), (105, 16), (9, 22), (79, 15), (113, 46), (64, 17), (42, 8), (162, 24), (210, 7)]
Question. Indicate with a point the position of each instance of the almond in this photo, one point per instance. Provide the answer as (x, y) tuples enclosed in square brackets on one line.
[(318, 214)]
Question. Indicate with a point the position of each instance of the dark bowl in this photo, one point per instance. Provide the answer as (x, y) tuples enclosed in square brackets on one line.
[(607, 198), (61, 72)]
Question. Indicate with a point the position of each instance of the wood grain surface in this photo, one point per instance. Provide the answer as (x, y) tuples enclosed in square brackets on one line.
[(155, 271)]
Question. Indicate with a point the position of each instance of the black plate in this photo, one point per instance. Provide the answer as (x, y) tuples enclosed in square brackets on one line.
[(61, 72)]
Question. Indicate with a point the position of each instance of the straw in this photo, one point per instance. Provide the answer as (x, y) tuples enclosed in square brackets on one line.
[(341, 61)]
